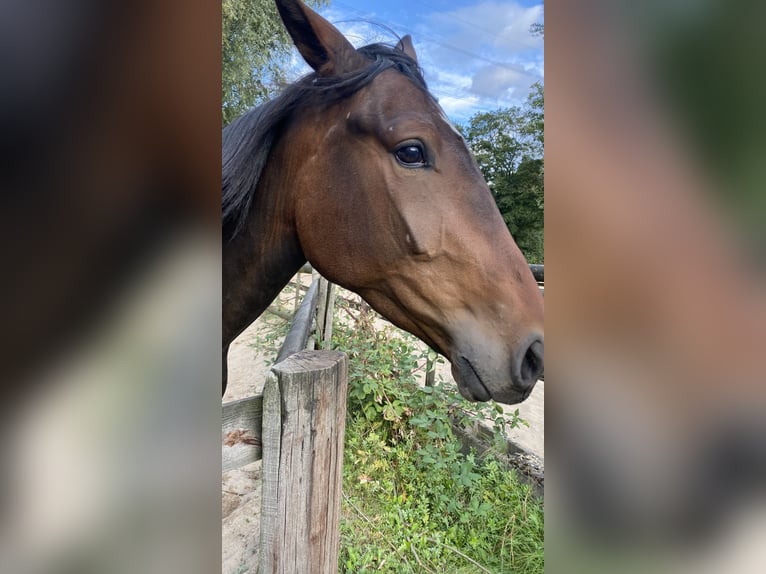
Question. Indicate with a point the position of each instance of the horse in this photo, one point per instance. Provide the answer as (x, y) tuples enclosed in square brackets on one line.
[(356, 168)]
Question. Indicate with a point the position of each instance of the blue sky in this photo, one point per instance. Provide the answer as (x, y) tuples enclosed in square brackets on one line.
[(478, 55)]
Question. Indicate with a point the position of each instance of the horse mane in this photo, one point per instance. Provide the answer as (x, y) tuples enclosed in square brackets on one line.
[(248, 140)]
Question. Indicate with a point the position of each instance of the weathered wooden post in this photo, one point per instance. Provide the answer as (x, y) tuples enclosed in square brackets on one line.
[(304, 414)]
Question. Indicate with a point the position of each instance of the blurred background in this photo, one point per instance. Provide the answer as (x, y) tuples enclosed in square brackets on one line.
[(110, 140), (655, 302)]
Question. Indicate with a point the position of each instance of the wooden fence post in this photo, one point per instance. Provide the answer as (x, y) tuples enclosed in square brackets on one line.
[(304, 420)]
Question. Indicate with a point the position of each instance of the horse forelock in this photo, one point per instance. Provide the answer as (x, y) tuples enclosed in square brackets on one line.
[(248, 140)]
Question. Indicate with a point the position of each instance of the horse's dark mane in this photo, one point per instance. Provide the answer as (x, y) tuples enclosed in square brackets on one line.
[(248, 140)]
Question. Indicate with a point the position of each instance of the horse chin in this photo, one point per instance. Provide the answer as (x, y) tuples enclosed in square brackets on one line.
[(469, 382), (512, 396), (473, 388)]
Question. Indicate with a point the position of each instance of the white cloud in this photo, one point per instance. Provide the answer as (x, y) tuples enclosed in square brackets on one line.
[(476, 58), (459, 107), (504, 25), (442, 77), (501, 81), (488, 51), (515, 33)]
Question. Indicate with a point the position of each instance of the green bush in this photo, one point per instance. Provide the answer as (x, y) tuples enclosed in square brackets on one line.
[(413, 501)]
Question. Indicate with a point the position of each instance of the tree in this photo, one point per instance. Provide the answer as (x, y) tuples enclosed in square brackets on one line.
[(508, 146), (255, 47)]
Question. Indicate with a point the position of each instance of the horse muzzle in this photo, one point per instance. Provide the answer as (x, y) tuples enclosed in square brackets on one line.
[(482, 373), (528, 364)]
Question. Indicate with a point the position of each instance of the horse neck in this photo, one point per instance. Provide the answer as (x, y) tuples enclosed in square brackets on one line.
[(262, 258)]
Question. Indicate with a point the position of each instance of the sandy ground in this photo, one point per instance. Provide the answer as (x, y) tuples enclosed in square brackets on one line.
[(241, 488), (531, 438)]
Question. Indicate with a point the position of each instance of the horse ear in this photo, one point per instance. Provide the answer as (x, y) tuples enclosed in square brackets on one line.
[(320, 43), (405, 45)]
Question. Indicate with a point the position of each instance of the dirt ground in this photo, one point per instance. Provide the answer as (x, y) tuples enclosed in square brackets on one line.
[(241, 488)]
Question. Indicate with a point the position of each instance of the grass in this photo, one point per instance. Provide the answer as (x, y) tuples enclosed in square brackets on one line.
[(413, 502)]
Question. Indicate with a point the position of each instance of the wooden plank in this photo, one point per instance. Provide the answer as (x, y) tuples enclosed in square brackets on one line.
[(272, 436), (241, 432), (431, 358), (298, 335), (321, 309), (328, 316), (303, 469)]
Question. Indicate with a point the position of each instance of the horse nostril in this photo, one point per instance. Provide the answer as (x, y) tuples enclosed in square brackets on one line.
[(532, 363)]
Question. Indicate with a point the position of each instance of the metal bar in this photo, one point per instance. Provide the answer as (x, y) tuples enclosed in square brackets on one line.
[(299, 331)]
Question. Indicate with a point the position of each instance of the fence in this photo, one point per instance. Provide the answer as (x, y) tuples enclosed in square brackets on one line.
[(538, 272), (296, 427)]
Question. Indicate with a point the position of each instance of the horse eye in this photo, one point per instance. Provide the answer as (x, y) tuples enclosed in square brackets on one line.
[(411, 155)]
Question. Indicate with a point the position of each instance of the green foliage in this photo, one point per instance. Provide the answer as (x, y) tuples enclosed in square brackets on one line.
[(413, 500), (508, 146), (534, 119), (270, 337), (255, 47)]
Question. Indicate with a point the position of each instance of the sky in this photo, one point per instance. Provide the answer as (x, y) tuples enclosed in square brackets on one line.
[(477, 55)]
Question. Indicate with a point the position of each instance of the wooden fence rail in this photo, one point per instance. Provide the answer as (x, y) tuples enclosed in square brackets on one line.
[(242, 434), (296, 426), (300, 329)]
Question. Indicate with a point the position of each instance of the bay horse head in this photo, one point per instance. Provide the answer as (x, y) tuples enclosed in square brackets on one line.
[(356, 169)]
